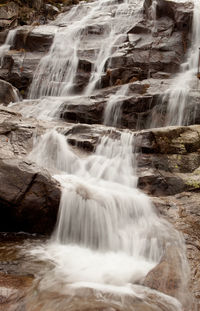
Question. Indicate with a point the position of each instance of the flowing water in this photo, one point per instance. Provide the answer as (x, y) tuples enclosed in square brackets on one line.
[(108, 235), (178, 96), (84, 27), (112, 111), (7, 45)]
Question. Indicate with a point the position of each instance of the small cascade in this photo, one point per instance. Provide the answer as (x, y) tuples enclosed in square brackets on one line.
[(178, 95), (103, 218), (7, 45), (153, 16), (56, 72), (112, 111)]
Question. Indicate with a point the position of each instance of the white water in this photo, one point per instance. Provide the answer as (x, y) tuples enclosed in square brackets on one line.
[(112, 111), (107, 230), (56, 72), (7, 45), (186, 80)]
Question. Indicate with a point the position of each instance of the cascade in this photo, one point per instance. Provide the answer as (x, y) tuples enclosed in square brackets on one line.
[(178, 94), (108, 234), (113, 106), (56, 72), (7, 45), (103, 217)]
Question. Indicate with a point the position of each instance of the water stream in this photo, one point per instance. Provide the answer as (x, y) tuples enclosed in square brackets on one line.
[(108, 235), (178, 95)]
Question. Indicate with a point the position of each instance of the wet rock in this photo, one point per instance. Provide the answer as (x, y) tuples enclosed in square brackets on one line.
[(167, 276), (51, 9), (28, 194), (14, 289), (87, 298), (8, 93), (179, 12), (18, 69), (182, 210), (32, 38), (88, 111)]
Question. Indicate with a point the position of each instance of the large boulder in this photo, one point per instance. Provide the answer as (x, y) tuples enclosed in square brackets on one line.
[(28, 194)]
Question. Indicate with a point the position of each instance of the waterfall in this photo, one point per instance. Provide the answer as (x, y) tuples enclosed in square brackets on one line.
[(178, 94), (56, 72), (108, 233), (113, 106), (7, 45)]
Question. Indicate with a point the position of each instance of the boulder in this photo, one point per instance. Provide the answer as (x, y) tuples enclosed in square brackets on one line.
[(168, 276), (27, 195), (8, 93)]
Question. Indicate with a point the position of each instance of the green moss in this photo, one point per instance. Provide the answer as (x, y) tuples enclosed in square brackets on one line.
[(193, 183)]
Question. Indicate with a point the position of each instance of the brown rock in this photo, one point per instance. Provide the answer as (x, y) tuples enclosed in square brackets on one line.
[(27, 195), (14, 289), (8, 93)]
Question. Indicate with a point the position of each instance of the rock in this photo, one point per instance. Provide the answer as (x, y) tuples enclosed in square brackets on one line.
[(32, 38), (9, 10), (8, 15), (168, 276), (179, 12), (182, 210), (28, 194), (18, 68), (37, 4), (14, 289), (51, 9), (88, 111), (170, 140), (8, 93), (88, 298)]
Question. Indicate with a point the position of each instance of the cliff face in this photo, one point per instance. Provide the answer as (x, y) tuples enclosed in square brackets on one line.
[(147, 58)]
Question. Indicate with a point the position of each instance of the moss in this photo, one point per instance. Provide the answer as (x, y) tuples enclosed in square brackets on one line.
[(193, 183)]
